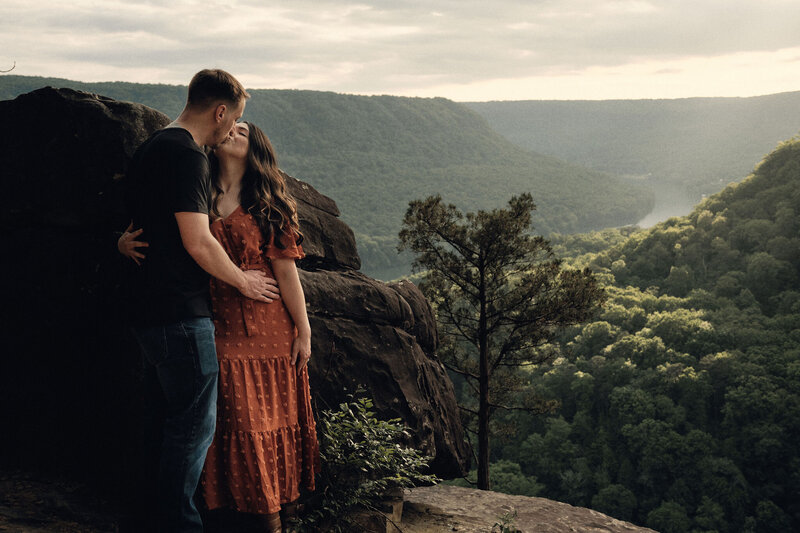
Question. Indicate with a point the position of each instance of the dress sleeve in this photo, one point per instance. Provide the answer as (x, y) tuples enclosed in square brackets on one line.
[(292, 250)]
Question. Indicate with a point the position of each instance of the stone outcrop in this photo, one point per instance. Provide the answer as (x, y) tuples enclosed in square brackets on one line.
[(69, 395), (446, 508), (329, 243), (35, 503)]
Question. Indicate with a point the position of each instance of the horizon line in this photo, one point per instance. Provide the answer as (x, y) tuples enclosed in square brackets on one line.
[(643, 99)]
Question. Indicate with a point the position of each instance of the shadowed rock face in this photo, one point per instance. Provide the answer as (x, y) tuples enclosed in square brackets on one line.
[(70, 375)]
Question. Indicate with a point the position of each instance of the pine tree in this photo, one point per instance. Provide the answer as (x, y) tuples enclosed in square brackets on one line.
[(499, 294)]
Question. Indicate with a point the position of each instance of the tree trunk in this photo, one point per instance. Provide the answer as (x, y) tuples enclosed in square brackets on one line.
[(483, 393)]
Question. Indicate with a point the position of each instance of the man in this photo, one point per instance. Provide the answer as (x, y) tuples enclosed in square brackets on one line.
[(169, 199)]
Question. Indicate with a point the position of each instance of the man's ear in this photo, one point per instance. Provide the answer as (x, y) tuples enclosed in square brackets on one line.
[(219, 112)]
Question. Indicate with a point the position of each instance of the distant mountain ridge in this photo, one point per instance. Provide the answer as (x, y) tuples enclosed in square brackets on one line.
[(698, 144), (373, 154)]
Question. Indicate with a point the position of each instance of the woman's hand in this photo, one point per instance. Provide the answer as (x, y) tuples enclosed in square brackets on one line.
[(301, 351), (127, 244), (295, 301)]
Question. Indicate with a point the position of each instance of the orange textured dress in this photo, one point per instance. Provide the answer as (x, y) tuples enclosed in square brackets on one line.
[(265, 445)]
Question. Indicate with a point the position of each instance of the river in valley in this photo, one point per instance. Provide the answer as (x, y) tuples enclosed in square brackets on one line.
[(671, 200)]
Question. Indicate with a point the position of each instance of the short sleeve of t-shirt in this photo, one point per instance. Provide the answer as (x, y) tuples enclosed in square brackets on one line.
[(292, 250), (191, 183)]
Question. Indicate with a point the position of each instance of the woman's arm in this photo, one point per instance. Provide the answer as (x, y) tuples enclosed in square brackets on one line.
[(127, 244), (292, 294)]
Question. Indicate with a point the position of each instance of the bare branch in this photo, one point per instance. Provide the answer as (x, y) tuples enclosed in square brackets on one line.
[(512, 408), (458, 325), (459, 371), (467, 409)]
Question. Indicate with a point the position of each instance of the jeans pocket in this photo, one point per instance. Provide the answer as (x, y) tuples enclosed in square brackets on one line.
[(199, 338)]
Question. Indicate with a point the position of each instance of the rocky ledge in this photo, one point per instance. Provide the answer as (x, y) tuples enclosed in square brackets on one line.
[(447, 508), (39, 504)]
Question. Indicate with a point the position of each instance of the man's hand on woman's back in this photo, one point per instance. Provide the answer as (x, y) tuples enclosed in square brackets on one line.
[(260, 287)]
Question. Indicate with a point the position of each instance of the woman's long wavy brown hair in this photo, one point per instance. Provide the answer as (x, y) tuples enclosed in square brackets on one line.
[(263, 192)]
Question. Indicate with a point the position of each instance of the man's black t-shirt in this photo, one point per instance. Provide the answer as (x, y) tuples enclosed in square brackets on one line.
[(169, 174)]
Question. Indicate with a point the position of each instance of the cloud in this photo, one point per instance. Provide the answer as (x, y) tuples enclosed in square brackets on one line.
[(382, 46), (738, 74)]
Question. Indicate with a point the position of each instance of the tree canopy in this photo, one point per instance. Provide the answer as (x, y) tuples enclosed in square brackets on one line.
[(679, 403)]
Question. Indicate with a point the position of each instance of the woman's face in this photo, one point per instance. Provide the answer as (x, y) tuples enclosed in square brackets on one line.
[(236, 145)]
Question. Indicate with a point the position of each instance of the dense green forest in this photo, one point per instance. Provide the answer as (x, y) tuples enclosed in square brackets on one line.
[(697, 144), (680, 403), (373, 154)]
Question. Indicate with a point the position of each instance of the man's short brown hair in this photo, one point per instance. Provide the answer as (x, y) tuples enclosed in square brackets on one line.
[(212, 85)]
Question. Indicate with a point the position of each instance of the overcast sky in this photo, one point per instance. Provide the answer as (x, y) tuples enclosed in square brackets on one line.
[(461, 49)]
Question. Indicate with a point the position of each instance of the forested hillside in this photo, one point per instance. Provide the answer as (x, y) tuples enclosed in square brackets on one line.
[(680, 403), (373, 154), (698, 144)]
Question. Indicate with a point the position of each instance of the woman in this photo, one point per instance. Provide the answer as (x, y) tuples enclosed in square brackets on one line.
[(265, 443)]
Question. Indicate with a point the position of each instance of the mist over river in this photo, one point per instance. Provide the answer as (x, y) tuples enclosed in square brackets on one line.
[(670, 201)]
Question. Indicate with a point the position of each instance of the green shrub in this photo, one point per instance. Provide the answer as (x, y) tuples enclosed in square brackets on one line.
[(362, 459), (505, 523)]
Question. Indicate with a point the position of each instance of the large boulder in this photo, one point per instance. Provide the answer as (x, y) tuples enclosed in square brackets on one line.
[(70, 375), (328, 242)]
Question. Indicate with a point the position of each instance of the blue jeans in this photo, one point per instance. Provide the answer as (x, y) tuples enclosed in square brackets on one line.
[(182, 362)]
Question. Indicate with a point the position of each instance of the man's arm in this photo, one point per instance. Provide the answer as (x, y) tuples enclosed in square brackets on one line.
[(211, 256)]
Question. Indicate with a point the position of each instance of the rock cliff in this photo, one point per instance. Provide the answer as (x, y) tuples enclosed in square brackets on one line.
[(37, 504), (69, 396)]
